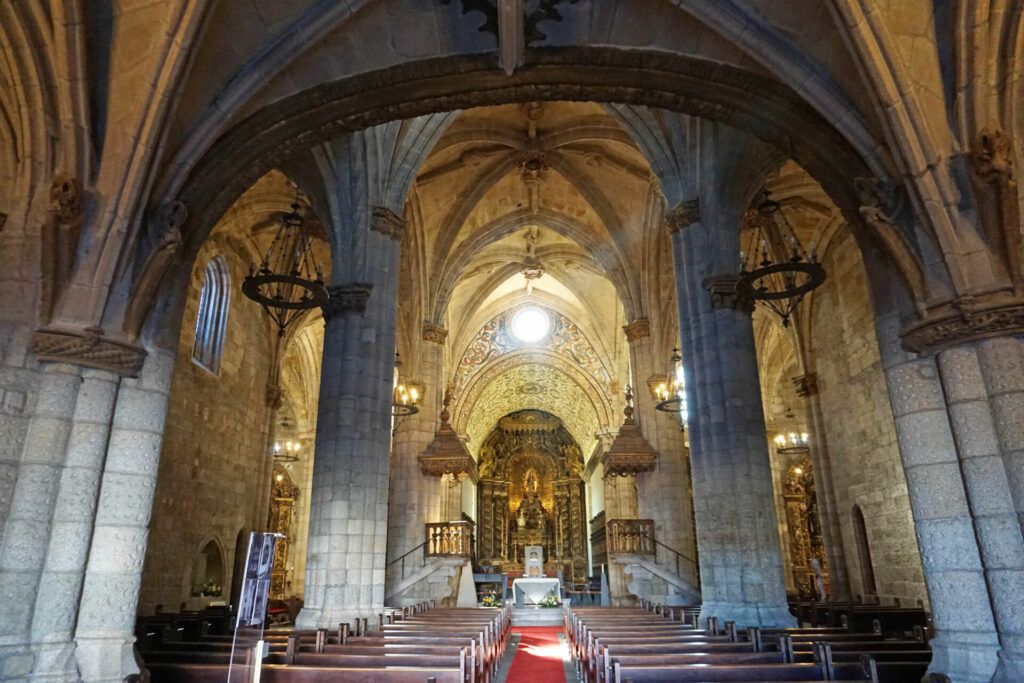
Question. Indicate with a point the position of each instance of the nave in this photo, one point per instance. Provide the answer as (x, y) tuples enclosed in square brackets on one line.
[(645, 644), (710, 304)]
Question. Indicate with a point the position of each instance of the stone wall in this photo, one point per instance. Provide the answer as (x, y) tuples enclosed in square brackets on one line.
[(866, 465), (214, 446)]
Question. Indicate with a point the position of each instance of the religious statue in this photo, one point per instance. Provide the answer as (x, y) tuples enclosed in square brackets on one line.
[(531, 483)]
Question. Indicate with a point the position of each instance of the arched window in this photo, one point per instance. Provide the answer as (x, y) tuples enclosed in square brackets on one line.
[(867, 569), (212, 321)]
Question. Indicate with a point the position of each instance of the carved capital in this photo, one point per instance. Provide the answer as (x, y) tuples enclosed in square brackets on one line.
[(683, 215), (387, 222), (88, 348), (435, 334), (722, 289), (638, 329), (806, 385), (964, 320), (347, 299)]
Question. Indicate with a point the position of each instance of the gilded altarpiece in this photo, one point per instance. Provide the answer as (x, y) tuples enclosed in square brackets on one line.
[(805, 541), (531, 493), (283, 495)]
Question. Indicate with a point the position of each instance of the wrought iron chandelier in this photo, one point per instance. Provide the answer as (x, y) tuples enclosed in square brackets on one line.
[(405, 397), (778, 284), (670, 393), (791, 441), (288, 280)]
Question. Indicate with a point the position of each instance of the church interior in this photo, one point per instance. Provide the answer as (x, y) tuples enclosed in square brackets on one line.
[(692, 328)]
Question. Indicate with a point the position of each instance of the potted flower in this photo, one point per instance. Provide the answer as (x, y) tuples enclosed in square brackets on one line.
[(491, 600), (550, 600)]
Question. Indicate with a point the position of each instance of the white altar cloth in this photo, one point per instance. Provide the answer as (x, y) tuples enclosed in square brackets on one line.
[(535, 588)]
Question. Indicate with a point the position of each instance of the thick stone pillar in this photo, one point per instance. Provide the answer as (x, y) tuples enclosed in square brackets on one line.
[(105, 632), (27, 530), (958, 432), (665, 492), (737, 534), (831, 535), (60, 587), (414, 499), (620, 502), (349, 501)]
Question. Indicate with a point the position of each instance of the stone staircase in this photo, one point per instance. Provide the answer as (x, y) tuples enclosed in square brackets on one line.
[(437, 579), (537, 616), (642, 568)]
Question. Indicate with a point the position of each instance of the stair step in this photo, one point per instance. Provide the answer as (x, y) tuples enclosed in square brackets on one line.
[(539, 616)]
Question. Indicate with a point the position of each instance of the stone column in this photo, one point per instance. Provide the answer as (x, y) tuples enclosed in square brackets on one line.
[(349, 500), (665, 492), (620, 502), (737, 533), (966, 644), (414, 499), (28, 527), (831, 536), (56, 608), (105, 632)]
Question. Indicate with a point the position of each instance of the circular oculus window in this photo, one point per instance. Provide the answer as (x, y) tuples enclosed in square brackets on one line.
[(530, 325)]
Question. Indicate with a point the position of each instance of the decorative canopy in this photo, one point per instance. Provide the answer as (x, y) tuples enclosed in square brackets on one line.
[(630, 453), (447, 454)]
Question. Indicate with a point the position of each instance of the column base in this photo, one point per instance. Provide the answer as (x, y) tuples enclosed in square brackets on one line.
[(106, 660), (1010, 668), (964, 661), (55, 661), (746, 614)]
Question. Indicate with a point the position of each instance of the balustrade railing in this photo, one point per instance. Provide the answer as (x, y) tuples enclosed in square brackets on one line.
[(449, 539), (630, 536)]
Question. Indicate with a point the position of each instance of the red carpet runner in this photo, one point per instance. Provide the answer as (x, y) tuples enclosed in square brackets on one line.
[(538, 658)]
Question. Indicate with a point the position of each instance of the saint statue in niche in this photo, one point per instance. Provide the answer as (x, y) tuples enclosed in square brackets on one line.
[(531, 483)]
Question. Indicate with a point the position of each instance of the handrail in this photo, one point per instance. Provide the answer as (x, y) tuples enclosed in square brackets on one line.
[(423, 560), (696, 567)]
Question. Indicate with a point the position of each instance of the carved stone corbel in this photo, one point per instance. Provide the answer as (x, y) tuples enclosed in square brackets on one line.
[(992, 161), (60, 238), (683, 215), (387, 222), (806, 385), (171, 216)]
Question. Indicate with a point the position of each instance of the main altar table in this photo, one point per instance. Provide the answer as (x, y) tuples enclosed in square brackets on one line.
[(535, 588)]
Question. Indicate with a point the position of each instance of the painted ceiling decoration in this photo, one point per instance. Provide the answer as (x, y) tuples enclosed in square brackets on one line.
[(540, 382), (496, 339)]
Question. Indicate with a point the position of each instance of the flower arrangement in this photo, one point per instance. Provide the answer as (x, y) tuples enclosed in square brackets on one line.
[(210, 589), (491, 600), (550, 600)]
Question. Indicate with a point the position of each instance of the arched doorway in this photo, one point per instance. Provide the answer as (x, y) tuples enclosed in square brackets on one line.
[(531, 493)]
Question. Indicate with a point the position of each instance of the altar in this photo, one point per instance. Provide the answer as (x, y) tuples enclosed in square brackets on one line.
[(535, 588)]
